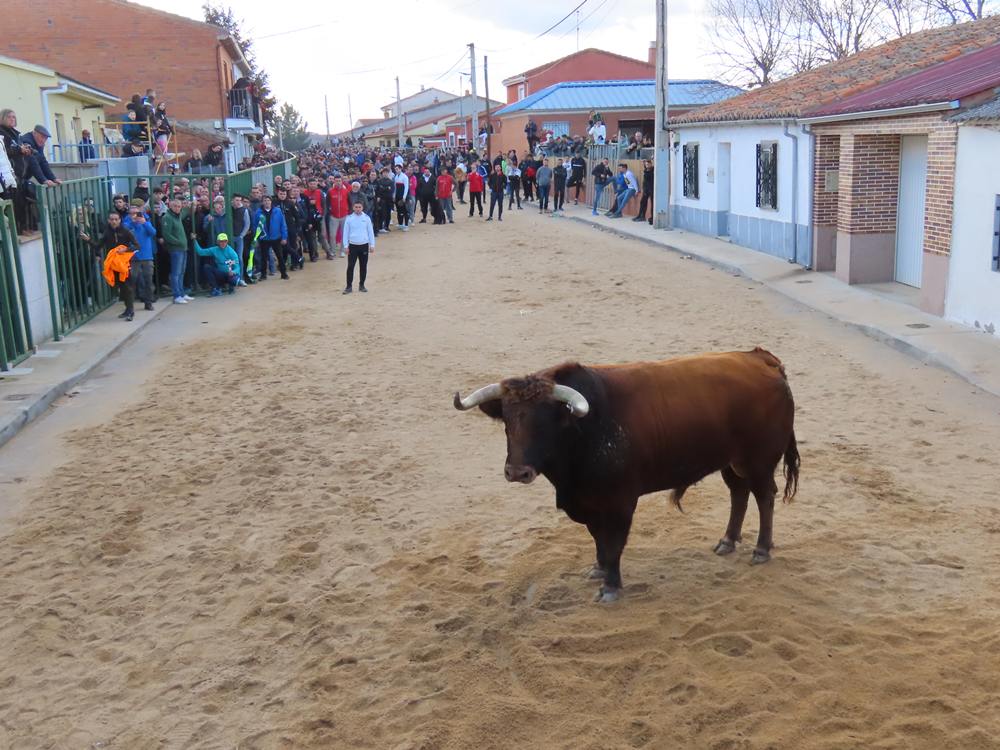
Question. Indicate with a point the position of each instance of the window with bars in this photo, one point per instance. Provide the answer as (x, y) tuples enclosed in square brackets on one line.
[(690, 159), (767, 174), (996, 235)]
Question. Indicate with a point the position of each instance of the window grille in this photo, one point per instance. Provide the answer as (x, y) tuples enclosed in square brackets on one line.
[(996, 235), (690, 157), (767, 175)]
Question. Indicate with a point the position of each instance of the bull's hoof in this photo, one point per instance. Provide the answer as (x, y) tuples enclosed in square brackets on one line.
[(607, 594), (597, 573), (760, 556), (724, 547)]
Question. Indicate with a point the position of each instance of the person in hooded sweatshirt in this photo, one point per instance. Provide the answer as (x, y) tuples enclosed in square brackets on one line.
[(269, 222)]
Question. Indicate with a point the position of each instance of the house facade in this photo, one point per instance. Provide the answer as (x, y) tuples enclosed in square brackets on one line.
[(419, 100), (193, 66), (65, 106), (626, 106), (973, 295), (586, 65), (822, 167)]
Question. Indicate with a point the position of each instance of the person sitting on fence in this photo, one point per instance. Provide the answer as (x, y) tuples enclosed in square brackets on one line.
[(116, 235), (221, 266), (139, 223), (631, 187)]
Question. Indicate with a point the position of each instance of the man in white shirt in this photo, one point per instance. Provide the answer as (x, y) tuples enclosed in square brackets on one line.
[(598, 132), (397, 160), (624, 196), (359, 240)]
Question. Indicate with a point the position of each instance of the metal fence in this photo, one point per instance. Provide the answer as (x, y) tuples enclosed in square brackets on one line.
[(78, 208), (15, 326), (615, 156)]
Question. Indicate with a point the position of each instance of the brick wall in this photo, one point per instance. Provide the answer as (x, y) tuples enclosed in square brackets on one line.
[(124, 49), (827, 161), (869, 174)]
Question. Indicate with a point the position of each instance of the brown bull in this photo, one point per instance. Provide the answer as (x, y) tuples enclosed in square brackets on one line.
[(605, 435)]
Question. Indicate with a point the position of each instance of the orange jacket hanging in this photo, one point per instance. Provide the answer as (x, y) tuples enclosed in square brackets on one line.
[(116, 264)]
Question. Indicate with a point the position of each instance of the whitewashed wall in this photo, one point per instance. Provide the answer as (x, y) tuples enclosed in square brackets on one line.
[(973, 295)]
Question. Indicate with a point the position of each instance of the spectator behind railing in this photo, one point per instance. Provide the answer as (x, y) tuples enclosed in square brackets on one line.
[(193, 165), (87, 149), (162, 129)]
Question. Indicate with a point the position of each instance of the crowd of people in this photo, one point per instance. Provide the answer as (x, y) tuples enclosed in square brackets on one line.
[(342, 198)]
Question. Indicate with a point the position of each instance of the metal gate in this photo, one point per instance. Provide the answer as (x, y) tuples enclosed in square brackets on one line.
[(15, 327)]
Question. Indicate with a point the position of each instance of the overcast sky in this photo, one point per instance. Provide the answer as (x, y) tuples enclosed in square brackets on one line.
[(358, 48)]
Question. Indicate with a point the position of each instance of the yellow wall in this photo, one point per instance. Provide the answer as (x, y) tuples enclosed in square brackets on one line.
[(22, 93)]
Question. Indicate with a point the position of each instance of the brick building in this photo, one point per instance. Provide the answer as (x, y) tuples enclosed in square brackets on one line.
[(848, 167), (126, 48), (586, 65)]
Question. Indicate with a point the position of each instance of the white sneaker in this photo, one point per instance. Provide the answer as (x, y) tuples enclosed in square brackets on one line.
[(188, 298), (180, 301), (406, 228)]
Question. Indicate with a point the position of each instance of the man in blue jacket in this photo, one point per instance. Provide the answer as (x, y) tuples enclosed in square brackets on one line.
[(274, 237), (142, 262), (221, 266)]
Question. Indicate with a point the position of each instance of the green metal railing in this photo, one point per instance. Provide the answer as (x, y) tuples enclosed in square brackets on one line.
[(67, 212), (15, 326), (73, 208)]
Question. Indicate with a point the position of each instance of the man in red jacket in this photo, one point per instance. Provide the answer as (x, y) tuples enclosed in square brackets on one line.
[(337, 200), (475, 189), (445, 186)]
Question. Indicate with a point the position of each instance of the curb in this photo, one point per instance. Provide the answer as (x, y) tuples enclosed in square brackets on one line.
[(880, 335), (39, 403)]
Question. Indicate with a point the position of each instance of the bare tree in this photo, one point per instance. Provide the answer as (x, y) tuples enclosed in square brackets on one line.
[(751, 39), (841, 27), (957, 11), (902, 17)]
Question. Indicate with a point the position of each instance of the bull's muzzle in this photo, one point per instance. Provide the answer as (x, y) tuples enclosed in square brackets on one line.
[(522, 474)]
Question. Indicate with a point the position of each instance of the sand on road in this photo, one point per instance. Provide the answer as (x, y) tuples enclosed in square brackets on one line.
[(278, 533)]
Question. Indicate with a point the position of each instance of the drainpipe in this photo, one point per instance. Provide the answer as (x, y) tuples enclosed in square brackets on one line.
[(795, 193), (46, 92), (807, 129)]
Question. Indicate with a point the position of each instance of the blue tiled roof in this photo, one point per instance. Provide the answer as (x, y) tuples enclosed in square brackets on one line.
[(606, 95)]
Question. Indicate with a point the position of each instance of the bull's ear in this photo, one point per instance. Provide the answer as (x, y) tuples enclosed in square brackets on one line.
[(492, 408)]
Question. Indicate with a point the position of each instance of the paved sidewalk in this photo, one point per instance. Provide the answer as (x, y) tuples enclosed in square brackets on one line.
[(57, 366), (972, 355)]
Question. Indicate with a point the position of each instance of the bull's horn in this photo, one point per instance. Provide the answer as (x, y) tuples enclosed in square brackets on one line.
[(489, 393), (578, 405)]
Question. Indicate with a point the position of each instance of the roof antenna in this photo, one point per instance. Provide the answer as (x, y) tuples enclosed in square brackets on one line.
[(577, 29)]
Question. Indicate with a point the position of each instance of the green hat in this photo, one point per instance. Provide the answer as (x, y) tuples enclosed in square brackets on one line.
[(223, 237)]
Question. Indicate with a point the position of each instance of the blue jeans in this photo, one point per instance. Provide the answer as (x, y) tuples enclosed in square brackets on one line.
[(623, 197), (178, 263), (543, 197), (598, 192)]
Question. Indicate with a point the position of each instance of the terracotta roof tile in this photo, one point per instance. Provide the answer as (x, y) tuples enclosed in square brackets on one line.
[(794, 96)]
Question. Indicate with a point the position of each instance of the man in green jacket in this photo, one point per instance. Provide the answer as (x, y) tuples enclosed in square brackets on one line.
[(221, 266), (175, 243)]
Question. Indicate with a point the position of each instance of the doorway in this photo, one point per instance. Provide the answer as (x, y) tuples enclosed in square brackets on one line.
[(910, 210)]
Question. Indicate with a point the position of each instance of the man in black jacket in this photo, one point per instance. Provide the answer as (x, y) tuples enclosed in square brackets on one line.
[(426, 192), (115, 235), (384, 201), (647, 192), (578, 168), (294, 224), (497, 182)]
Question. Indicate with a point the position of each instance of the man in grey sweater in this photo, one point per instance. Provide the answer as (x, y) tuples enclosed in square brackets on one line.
[(544, 179)]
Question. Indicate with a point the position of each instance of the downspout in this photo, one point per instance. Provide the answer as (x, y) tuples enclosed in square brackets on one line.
[(807, 129), (46, 92), (795, 193)]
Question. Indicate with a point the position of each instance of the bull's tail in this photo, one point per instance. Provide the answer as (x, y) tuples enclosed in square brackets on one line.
[(791, 469)]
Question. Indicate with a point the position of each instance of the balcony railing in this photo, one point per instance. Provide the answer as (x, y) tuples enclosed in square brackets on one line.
[(244, 106)]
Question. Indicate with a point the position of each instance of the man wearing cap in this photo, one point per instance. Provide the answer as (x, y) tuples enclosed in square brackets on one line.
[(221, 266), (35, 163)]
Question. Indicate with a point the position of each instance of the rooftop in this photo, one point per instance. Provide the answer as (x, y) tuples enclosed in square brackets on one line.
[(553, 63), (792, 97), (946, 82), (608, 95), (990, 111)]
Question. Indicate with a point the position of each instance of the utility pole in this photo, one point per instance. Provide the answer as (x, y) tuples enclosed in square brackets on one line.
[(349, 115), (281, 141), (326, 106), (661, 157), (461, 103), (399, 118), (486, 78), (475, 99)]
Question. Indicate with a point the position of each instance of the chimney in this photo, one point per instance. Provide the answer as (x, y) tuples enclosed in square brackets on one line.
[(421, 87), (651, 55)]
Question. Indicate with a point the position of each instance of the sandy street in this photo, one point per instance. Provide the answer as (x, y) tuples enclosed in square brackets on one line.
[(272, 530)]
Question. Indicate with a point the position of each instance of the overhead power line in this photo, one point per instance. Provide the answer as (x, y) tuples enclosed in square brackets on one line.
[(561, 19)]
